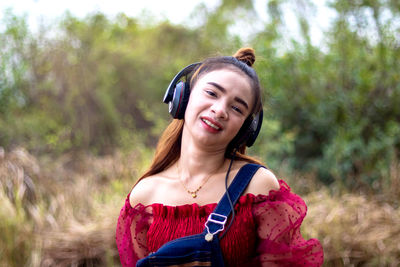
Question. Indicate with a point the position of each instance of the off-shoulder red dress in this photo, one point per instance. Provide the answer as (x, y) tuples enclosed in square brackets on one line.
[(265, 232)]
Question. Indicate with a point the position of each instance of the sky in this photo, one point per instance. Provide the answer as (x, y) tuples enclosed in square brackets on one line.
[(176, 11)]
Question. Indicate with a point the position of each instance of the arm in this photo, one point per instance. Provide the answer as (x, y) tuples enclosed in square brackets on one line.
[(278, 217), (133, 223)]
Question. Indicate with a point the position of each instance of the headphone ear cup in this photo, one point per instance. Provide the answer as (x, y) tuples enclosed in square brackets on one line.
[(249, 131), (178, 104), (254, 128), (243, 134), (177, 93)]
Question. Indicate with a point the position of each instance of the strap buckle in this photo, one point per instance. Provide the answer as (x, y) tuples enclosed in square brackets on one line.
[(219, 219)]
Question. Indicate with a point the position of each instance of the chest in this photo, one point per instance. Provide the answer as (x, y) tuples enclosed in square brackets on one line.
[(169, 223), (171, 192)]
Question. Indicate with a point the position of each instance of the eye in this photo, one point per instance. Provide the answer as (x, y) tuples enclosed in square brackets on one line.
[(237, 109), (211, 93)]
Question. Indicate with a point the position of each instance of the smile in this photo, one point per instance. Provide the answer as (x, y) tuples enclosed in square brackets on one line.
[(212, 125)]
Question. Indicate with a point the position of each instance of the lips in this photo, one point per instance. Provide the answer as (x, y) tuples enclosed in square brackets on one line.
[(211, 123)]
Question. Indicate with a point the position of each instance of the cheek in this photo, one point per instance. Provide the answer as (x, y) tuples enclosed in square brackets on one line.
[(191, 108), (188, 111), (196, 102), (236, 125)]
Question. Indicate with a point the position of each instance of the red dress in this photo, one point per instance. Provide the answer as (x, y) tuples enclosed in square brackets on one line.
[(265, 232)]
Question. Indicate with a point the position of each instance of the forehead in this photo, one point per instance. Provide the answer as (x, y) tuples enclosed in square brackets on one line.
[(235, 82)]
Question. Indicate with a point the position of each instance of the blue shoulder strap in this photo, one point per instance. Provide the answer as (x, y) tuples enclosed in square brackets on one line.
[(217, 219)]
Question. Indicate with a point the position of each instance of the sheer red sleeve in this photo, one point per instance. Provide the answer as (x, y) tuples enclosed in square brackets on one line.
[(132, 227), (278, 219)]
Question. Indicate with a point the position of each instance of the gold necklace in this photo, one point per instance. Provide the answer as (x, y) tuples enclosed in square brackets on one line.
[(194, 193)]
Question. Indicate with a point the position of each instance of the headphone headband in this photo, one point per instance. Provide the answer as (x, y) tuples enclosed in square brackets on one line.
[(170, 90)]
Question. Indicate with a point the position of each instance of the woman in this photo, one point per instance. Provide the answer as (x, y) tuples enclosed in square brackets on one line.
[(187, 177)]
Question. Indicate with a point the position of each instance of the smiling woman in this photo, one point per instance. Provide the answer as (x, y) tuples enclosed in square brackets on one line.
[(217, 109), (217, 114)]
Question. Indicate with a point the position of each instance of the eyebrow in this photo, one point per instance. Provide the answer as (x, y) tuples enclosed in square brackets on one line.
[(222, 89)]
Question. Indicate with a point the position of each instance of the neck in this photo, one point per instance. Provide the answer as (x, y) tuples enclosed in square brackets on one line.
[(197, 162)]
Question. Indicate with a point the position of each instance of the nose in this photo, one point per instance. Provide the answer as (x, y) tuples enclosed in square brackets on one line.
[(220, 110)]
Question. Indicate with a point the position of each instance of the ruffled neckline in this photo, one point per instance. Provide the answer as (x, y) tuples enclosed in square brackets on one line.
[(194, 208), (249, 197)]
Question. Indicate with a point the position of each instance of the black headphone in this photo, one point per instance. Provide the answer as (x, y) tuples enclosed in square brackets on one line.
[(177, 96)]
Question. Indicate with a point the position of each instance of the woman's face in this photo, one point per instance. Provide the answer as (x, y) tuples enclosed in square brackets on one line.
[(219, 103)]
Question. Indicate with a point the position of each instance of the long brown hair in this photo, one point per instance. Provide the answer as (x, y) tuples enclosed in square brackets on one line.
[(169, 145)]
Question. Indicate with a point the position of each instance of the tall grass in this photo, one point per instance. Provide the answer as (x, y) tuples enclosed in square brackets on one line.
[(63, 212), (354, 230)]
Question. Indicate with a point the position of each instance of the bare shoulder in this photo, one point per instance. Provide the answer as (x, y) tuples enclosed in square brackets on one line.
[(263, 181), (142, 191)]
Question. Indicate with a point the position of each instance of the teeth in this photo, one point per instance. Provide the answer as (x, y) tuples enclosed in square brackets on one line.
[(211, 124)]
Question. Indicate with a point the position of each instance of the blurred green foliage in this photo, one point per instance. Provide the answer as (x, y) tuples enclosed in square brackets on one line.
[(96, 84)]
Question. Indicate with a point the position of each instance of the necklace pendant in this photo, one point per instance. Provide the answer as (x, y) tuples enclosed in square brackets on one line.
[(194, 195)]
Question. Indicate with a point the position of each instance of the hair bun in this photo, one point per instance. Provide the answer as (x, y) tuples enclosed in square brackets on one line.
[(246, 55)]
